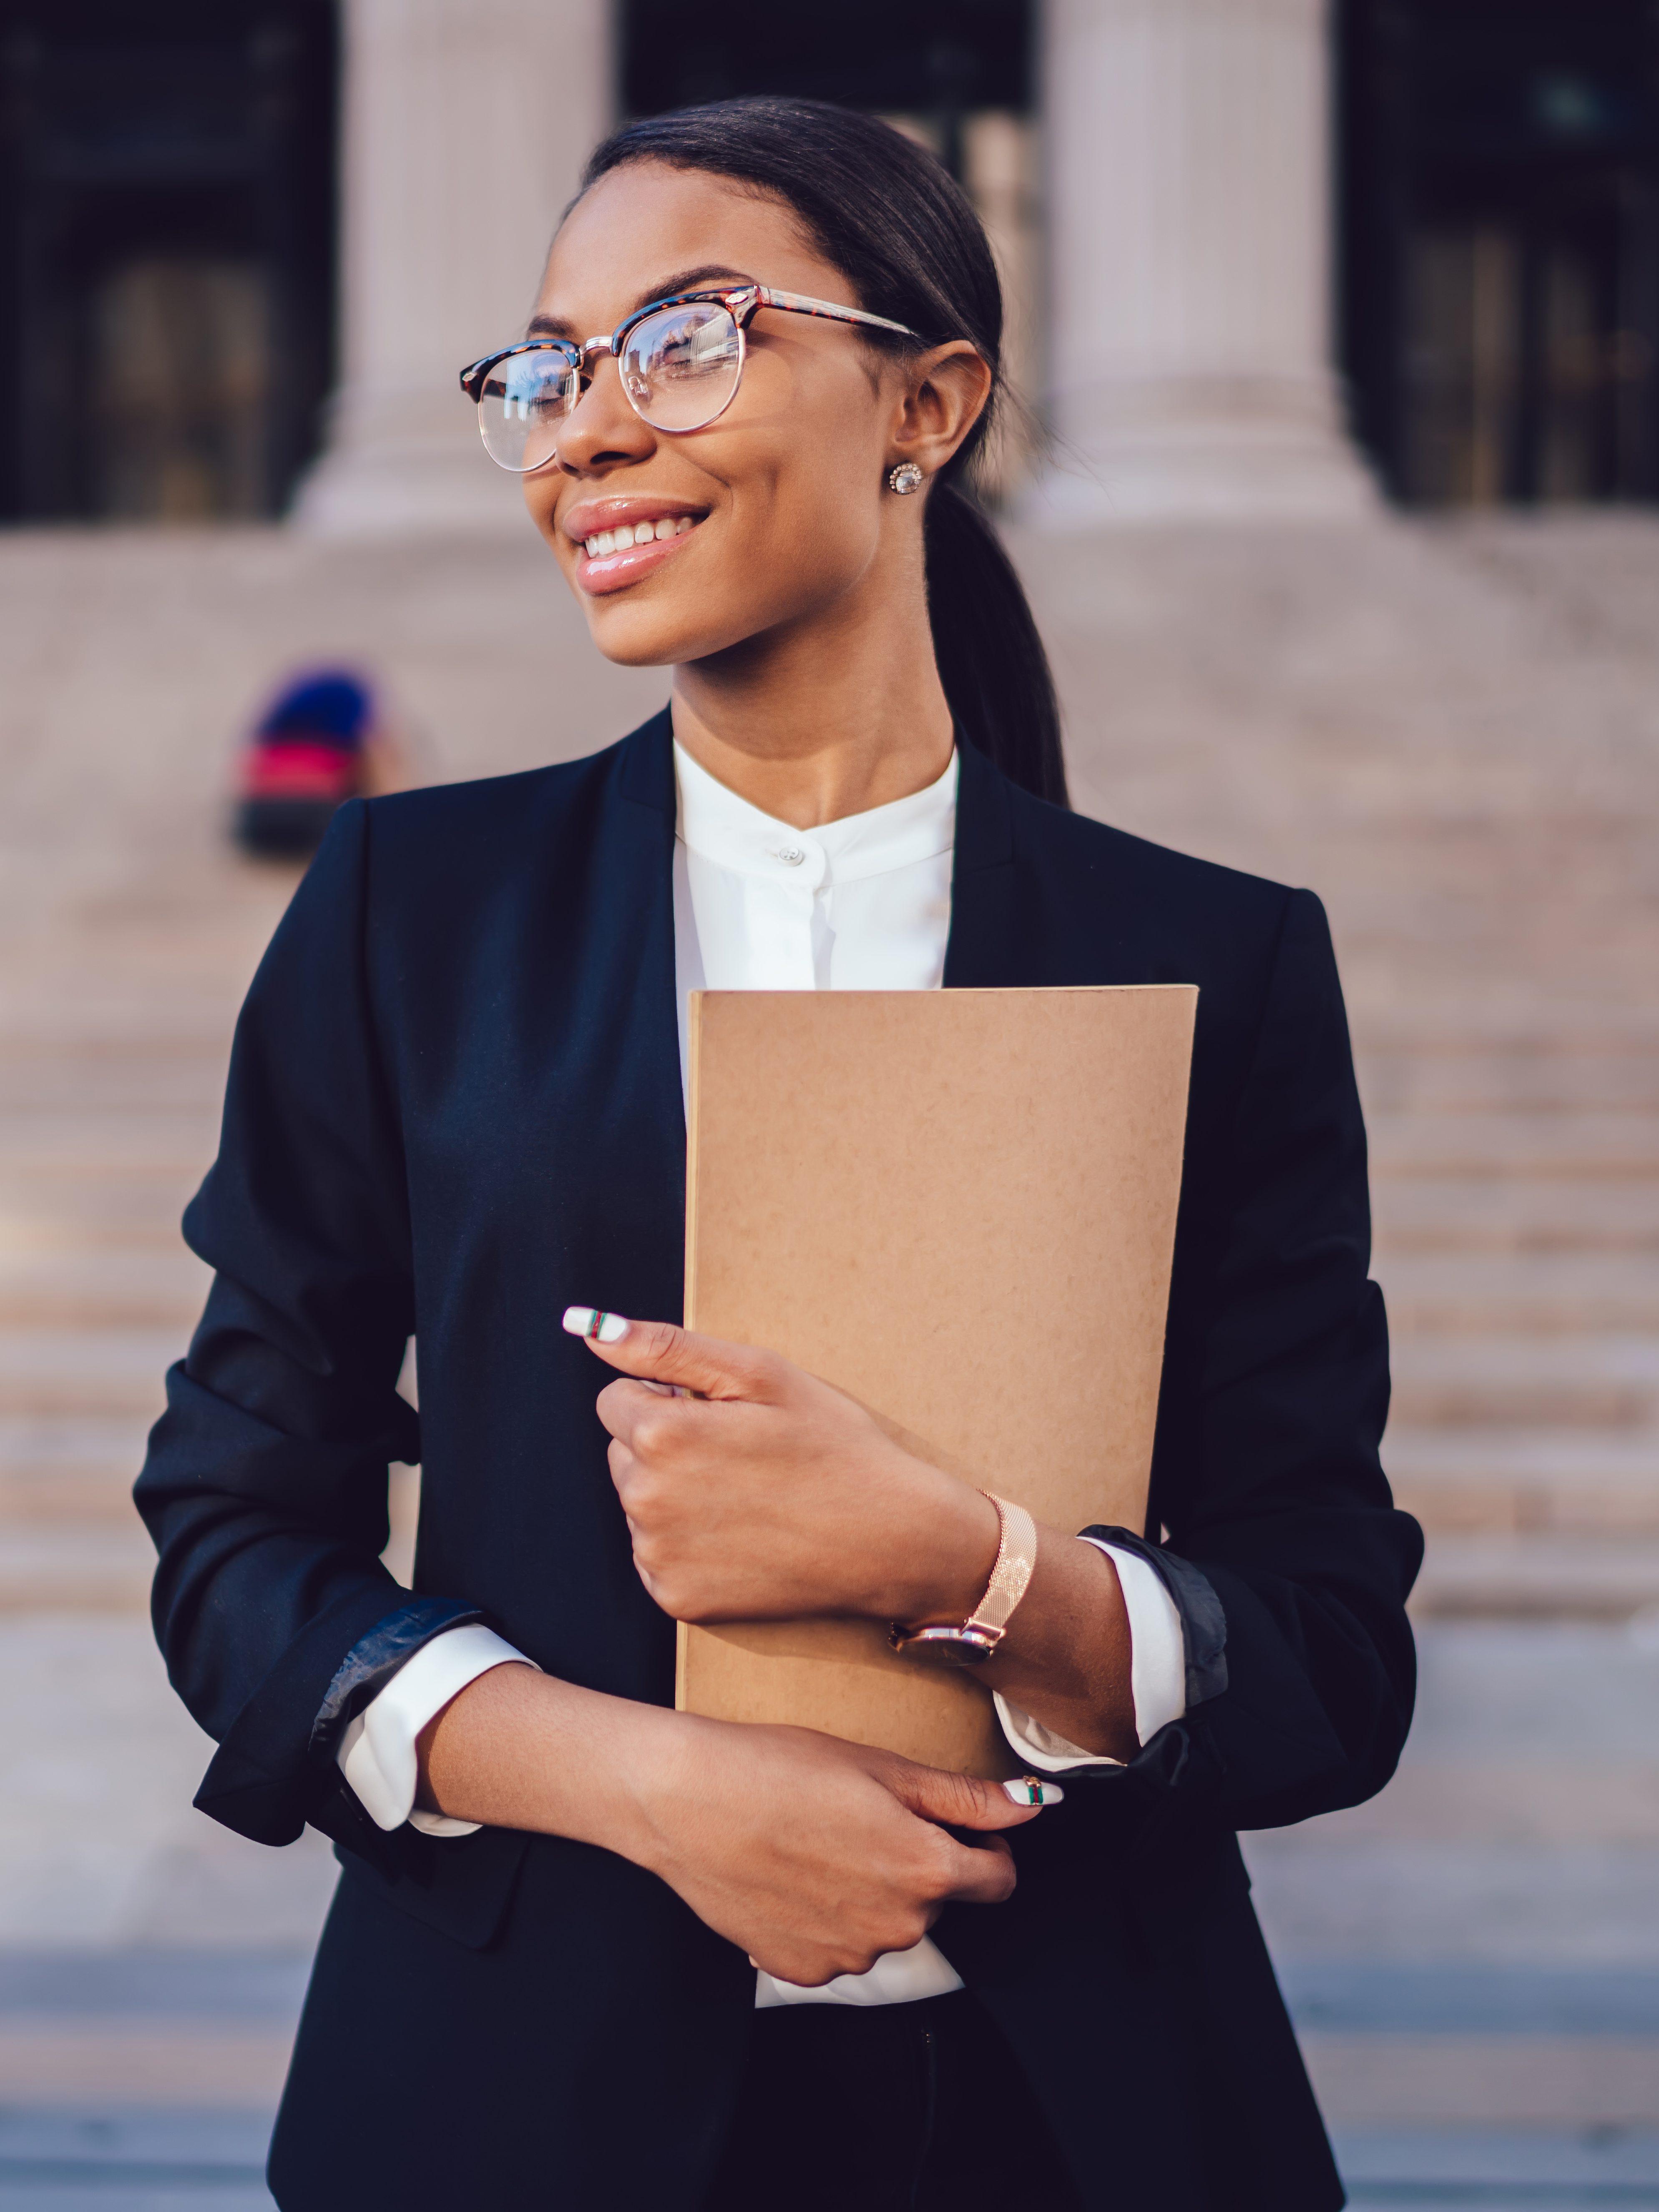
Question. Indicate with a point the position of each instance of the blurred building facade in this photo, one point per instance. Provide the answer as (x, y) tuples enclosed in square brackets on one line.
[(1264, 257), (167, 214)]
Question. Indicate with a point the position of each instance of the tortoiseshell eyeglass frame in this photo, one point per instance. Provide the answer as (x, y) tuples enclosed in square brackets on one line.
[(743, 302)]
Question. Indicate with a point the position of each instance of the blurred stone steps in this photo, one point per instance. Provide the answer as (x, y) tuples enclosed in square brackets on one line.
[(1528, 1480), (1543, 1077), (1516, 1205), (73, 1370), (1552, 1574), (1538, 1214), (109, 1098), (1605, 1381), (163, 1286), (75, 1563), (113, 1043), (1595, 1145), (107, 1143), (1541, 1293)]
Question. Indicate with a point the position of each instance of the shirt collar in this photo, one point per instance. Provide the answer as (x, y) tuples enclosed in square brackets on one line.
[(714, 822)]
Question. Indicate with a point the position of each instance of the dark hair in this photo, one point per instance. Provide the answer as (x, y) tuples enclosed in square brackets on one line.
[(903, 231)]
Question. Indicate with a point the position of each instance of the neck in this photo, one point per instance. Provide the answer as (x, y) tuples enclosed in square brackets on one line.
[(827, 717)]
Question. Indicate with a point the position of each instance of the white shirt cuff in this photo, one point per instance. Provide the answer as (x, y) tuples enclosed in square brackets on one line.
[(896, 1978), (1158, 1671), (377, 1751)]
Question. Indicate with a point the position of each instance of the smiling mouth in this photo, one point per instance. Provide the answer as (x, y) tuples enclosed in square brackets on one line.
[(611, 560), (637, 533)]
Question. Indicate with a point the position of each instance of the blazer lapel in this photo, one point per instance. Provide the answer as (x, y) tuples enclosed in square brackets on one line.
[(611, 1099), (645, 919), (982, 952)]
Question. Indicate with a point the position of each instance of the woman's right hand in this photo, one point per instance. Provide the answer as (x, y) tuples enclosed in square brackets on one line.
[(814, 1855)]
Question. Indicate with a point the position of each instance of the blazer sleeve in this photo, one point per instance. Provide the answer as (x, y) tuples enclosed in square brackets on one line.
[(1268, 1472), (265, 1488)]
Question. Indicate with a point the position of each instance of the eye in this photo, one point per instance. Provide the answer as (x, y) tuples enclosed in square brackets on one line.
[(680, 365)]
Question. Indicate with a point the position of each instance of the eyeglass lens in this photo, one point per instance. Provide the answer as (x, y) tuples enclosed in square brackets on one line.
[(524, 400), (680, 368)]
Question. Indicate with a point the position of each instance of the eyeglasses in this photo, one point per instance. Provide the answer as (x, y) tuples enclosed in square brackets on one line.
[(680, 360)]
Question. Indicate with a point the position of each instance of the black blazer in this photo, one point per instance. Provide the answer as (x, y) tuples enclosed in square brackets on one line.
[(454, 1109)]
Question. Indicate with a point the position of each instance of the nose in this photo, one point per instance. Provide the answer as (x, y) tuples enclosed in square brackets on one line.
[(602, 431)]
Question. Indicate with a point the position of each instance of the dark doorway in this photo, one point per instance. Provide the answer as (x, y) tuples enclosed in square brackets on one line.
[(1500, 310), (937, 61), (168, 229)]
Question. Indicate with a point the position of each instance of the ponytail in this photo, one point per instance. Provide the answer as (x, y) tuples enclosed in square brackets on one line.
[(893, 220), (991, 660)]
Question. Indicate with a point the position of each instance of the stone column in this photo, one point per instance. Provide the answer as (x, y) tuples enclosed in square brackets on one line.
[(465, 126), (1189, 208)]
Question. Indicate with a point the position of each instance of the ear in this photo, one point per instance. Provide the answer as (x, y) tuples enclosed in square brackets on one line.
[(943, 395)]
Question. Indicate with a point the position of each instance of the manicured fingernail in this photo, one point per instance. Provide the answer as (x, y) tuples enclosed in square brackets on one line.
[(598, 1328), (1028, 1790)]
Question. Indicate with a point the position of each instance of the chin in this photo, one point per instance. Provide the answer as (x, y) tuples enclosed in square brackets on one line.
[(658, 634), (635, 630), (640, 650), (641, 637)]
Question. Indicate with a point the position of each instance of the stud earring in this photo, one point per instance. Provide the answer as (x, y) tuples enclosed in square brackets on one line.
[(904, 477)]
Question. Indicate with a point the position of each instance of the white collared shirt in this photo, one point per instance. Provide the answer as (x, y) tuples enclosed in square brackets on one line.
[(863, 903)]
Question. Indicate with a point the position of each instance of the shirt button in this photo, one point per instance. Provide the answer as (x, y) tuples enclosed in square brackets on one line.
[(791, 856)]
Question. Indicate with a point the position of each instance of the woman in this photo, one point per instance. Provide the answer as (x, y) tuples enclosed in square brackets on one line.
[(584, 1949)]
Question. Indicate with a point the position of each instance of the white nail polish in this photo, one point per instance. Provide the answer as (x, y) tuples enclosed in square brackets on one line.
[(1027, 1790), (590, 1322)]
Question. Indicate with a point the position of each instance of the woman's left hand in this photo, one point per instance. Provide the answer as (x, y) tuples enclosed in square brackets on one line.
[(769, 1494)]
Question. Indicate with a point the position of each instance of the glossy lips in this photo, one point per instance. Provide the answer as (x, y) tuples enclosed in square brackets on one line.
[(621, 545)]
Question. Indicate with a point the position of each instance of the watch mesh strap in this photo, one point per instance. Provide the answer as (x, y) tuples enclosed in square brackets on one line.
[(1012, 1575)]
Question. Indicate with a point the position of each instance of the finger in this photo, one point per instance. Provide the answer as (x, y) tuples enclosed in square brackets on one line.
[(621, 1464), (623, 1404), (962, 1800), (658, 1351), (1033, 1790), (983, 1874)]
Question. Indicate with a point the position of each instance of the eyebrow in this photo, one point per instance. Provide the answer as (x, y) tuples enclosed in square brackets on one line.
[(666, 288)]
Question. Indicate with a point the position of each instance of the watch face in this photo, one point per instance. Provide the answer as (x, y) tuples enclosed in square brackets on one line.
[(945, 1647)]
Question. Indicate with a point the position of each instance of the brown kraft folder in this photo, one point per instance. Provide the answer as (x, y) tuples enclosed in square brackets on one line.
[(959, 1207)]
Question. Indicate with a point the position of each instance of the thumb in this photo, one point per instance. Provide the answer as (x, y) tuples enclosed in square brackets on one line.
[(658, 1351), (963, 1800)]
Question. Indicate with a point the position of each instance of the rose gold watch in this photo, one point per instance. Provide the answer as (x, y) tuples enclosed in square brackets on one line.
[(970, 1642)]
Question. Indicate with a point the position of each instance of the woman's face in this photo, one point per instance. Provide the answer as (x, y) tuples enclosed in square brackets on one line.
[(784, 494)]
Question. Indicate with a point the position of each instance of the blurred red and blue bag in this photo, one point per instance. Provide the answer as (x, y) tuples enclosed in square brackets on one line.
[(308, 754)]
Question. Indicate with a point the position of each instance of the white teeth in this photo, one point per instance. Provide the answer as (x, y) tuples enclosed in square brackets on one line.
[(643, 533)]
